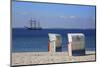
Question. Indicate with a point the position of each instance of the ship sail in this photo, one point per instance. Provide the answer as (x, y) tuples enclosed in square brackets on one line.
[(34, 25)]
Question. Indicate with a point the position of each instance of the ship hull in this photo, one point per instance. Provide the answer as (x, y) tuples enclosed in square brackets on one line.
[(33, 28)]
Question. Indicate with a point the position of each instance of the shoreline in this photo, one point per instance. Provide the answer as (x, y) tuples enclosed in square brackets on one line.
[(36, 58)]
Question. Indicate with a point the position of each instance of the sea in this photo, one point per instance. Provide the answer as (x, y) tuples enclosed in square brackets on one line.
[(25, 40)]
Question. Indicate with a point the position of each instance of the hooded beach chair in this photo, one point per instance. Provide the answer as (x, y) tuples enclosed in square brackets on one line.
[(54, 44), (76, 44)]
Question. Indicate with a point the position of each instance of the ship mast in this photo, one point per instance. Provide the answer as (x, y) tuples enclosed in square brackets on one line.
[(34, 23), (31, 24)]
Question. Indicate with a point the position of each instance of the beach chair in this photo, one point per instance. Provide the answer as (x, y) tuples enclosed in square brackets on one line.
[(54, 44), (76, 46)]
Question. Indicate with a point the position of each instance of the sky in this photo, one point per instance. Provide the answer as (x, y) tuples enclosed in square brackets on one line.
[(53, 15)]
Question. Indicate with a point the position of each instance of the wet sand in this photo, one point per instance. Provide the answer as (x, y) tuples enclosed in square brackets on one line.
[(29, 58)]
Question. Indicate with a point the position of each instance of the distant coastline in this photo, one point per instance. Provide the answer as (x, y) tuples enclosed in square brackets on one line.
[(59, 28)]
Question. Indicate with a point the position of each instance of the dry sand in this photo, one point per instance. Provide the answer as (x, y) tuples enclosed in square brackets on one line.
[(28, 58)]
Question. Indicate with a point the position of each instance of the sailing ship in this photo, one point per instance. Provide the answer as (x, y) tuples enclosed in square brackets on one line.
[(34, 25)]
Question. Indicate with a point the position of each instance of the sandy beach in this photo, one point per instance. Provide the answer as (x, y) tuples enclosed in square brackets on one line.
[(29, 58)]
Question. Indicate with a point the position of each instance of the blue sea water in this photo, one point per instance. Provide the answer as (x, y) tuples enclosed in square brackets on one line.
[(24, 40)]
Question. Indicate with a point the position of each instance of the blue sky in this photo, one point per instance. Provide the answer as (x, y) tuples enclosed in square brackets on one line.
[(53, 15)]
